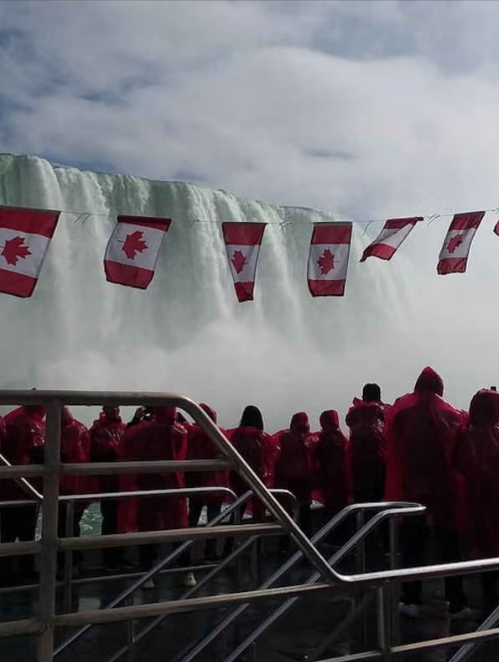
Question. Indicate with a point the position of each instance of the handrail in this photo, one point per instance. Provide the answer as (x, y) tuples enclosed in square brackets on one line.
[(160, 619), (359, 536), (53, 400), (22, 482), (238, 502), (464, 652), (398, 507)]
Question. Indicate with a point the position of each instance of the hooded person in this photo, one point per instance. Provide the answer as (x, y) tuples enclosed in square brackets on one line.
[(331, 467), (106, 445), (367, 448), (24, 443), (422, 432), (162, 438), (294, 468), (476, 460), (201, 447), (75, 449)]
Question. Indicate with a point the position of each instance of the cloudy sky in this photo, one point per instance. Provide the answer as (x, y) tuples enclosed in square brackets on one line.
[(366, 108), (369, 109)]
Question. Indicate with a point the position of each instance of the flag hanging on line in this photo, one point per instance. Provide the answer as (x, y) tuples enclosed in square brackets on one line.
[(457, 243), (25, 235), (496, 228), (242, 243), (328, 259), (395, 231), (133, 249)]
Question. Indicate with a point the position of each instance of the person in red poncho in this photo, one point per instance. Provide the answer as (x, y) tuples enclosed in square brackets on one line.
[(366, 420), (422, 432), (256, 447), (476, 459), (294, 468), (159, 439), (24, 443), (331, 469), (75, 449), (201, 447), (106, 445)]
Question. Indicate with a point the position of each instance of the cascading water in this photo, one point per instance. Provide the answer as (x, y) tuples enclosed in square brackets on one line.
[(187, 333)]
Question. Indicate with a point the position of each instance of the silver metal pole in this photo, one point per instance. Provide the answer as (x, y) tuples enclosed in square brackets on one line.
[(393, 587), (48, 559), (384, 630), (68, 558)]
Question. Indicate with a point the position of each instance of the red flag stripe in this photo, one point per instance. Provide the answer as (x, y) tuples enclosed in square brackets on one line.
[(123, 274), (30, 221), (332, 233), (244, 291), (324, 288), (496, 228), (243, 234), (399, 223), (467, 220), (147, 221), (16, 284)]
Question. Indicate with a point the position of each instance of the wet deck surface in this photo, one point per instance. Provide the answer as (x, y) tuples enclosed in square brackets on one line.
[(301, 634)]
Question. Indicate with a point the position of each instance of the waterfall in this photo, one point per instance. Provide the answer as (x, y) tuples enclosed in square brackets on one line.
[(187, 333)]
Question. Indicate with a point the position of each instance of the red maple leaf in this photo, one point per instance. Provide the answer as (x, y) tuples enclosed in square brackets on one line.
[(456, 241), (134, 244), (238, 260), (326, 262), (14, 250)]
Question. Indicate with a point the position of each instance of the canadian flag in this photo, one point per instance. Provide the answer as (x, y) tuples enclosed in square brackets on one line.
[(328, 259), (395, 231), (242, 243), (133, 248), (25, 235), (454, 254)]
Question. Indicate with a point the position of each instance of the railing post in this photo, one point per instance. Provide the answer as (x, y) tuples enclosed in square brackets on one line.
[(48, 558), (68, 557), (393, 586), (384, 622)]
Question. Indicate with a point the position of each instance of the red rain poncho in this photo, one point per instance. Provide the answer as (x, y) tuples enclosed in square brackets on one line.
[(294, 469), (75, 449), (106, 445), (159, 439), (422, 432), (367, 448), (477, 462), (331, 467), (24, 443), (256, 447), (201, 447)]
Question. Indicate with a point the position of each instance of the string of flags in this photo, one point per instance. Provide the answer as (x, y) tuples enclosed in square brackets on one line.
[(133, 249)]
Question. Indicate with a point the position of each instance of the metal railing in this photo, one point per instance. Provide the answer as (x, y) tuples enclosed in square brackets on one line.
[(44, 625), (52, 469)]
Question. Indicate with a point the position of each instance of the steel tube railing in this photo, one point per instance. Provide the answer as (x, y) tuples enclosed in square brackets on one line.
[(358, 537), (207, 425), (234, 507), (10, 471)]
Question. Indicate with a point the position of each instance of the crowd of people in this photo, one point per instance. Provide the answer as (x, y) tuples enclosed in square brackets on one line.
[(420, 449)]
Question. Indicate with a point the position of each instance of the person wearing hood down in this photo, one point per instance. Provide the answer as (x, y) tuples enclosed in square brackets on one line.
[(201, 447), (477, 462), (331, 468), (294, 469), (256, 447), (24, 443), (422, 432), (162, 438), (366, 420)]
